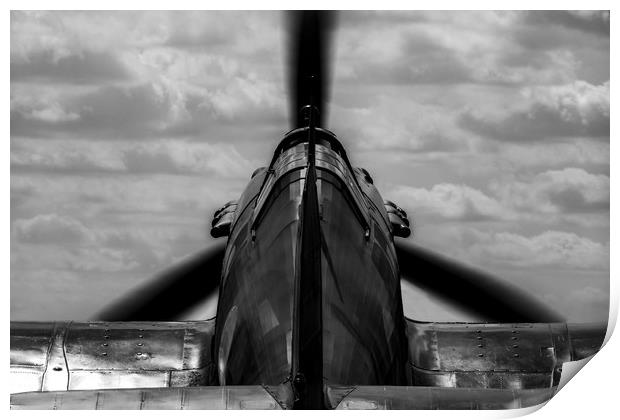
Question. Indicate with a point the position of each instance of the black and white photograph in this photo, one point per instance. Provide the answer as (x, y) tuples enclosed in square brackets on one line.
[(308, 209)]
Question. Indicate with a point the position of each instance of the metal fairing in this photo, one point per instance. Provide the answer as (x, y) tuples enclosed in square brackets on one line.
[(65, 356)]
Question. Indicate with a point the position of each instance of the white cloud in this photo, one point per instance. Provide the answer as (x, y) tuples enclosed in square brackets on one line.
[(579, 109), (570, 152), (222, 160), (146, 157), (550, 248), (50, 228), (579, 102), (451, 202), (570, 190), (52, 114), (563, 194), (62, 242)]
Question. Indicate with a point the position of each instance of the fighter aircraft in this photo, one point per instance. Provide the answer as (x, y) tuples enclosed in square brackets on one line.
[(309, 310)]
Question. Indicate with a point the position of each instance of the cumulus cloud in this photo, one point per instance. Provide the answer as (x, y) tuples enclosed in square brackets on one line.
[(561, 193), (550, 248), (147, 110), (582, 152), (492, 47), (50, 228), (578, 102), (421, 60), (147, 157), (169, 201), (83, 68), (62, 242), (570, 190), (592, 21), (183, 157), (450, 201), (576, 110)]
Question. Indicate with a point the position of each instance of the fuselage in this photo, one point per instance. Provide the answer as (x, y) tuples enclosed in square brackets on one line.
[(310, 288)]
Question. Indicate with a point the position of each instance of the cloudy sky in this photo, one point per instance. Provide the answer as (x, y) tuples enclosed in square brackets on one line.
[(129, 128)]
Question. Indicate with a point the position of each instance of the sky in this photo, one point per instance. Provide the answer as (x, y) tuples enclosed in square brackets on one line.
[(128, 129)]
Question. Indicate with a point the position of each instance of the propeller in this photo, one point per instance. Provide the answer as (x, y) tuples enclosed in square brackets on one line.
[(470, 289), (309, 54), (173, 292)]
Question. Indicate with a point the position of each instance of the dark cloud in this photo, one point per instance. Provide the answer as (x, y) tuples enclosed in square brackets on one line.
[(358, 19), (546, 249), (452, 202), (595, 22), (86, 67), (111, 112), (50, 229), (115, 111), (419, 60), (574, 110), (141, 161), (575, 201), (62, 162), (152, 111), (538, 124)]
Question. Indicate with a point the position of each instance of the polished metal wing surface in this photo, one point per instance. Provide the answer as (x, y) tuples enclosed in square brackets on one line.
[(464, 366), (433, 398), (63, 356), (253, 397), (497, 356)]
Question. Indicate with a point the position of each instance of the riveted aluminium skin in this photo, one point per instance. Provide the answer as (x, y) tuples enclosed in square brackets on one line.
[(77, 355), (500, 356)]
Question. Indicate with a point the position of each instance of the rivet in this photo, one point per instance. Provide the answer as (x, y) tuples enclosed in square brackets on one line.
[(140, 344), (479, 338), (515, 355), (104, 354), (138, 354), (105, 344), (513, 338), (140, 336), (480, 355), (57, 368), (106, 336), (514, 346), (479, 345)]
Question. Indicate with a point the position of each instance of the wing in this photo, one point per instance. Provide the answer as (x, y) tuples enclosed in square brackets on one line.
[(125, 365), (62, 356), (256, 397), (478, 366), (432, 398), (498, 356)]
